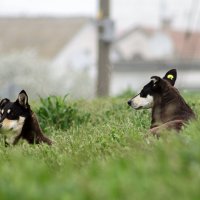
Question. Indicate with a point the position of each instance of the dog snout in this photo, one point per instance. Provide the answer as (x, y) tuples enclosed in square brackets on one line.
[(129, 102)]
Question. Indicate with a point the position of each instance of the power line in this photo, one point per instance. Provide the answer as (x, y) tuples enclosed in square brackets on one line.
[(189, 29)]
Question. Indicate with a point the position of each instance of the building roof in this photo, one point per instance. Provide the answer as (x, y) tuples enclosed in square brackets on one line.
[(48, 35), (44, 34), (186, 45), (145, 30)]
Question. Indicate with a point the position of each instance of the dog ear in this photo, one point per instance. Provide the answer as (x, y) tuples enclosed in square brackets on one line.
[(23, 99), (171, 76), (3, 102)]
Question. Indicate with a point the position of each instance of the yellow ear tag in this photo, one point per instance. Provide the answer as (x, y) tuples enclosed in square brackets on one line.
[(170, 76)]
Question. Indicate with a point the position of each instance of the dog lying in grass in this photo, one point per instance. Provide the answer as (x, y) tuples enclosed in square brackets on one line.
[(20, 121), (169, 109)]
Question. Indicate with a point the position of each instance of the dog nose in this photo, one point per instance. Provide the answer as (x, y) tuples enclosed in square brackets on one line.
[(129, 102)]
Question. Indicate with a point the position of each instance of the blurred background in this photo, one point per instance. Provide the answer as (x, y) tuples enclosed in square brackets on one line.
[(96, 47)]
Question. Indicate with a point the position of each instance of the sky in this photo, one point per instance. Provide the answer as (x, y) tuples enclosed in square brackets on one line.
[(126, 13)]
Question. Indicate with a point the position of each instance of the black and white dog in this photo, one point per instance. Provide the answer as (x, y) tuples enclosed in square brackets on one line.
[(18, 119), (169, 109)]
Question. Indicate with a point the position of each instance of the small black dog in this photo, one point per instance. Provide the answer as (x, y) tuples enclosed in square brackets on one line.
[(18, 118)]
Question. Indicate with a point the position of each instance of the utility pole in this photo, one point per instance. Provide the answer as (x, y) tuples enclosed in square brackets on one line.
[(105, 37)]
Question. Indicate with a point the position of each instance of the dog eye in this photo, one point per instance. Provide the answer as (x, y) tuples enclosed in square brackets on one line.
[(2, 111), (8, 111), (142, 94)]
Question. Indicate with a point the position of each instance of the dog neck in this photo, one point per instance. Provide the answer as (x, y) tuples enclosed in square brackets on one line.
[(168, 106)]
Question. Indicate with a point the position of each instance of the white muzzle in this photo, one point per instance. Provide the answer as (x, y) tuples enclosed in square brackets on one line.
[(139, 102)]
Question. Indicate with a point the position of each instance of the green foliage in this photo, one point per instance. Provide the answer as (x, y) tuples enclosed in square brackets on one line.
[(57, 112), (105, 158), (128, 93)]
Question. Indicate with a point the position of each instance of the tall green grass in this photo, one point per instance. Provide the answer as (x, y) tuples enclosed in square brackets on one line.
[(103, 157), (56, 111)]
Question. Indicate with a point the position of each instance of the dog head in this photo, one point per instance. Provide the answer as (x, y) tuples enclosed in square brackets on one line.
[(13, 114), (145, 98)]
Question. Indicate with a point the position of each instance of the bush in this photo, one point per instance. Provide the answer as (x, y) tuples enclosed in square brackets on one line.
[(55, 111)]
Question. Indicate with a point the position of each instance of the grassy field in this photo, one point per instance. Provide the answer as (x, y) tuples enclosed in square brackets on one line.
[(99, 153)]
